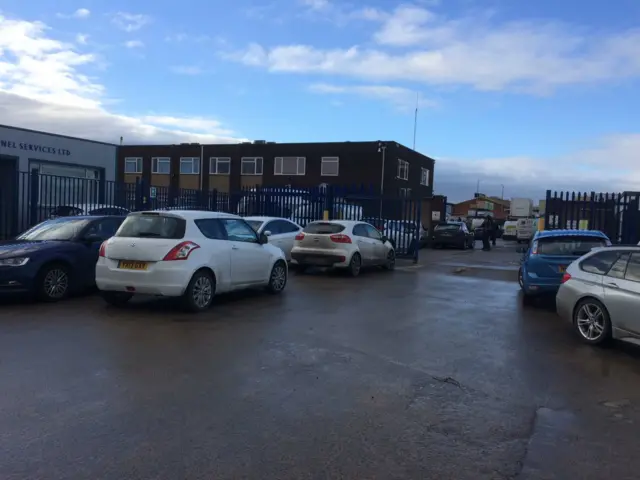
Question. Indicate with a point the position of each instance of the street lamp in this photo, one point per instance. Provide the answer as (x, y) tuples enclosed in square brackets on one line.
[(502, 194)]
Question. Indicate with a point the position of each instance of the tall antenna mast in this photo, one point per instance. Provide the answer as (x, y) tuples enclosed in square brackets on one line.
[(415, 120)]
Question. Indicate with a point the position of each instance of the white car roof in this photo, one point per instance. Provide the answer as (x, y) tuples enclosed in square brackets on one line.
[(191, 214), (344, 223), (266, 219)]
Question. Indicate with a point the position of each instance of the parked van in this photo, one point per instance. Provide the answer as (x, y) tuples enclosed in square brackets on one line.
[(525, 229), (510, 227)]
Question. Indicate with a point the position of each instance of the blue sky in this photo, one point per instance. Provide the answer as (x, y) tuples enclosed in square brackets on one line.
[(529, 95)]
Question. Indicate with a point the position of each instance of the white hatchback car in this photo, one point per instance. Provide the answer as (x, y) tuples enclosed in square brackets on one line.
[(190, 254), (343, 244), (281, 231)]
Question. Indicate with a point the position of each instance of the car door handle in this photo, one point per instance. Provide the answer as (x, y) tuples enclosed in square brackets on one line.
[(611, 284), (234, 247)]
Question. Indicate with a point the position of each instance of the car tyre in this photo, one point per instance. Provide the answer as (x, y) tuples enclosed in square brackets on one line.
[(277, 278), (198, 296), (472, 244), (520, 279), (116, 299), (355, 265), (592, 322), (54, 283), (391, 261)]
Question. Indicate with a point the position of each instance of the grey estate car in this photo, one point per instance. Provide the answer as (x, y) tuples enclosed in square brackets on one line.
[(600, 295)]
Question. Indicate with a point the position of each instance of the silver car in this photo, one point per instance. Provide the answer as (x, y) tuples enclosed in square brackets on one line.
[(600, 295)]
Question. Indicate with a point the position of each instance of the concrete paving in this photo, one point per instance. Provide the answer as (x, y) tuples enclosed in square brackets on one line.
[(420, 373)]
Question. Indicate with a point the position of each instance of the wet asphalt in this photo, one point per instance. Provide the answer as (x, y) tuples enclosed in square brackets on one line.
[(433, 371)]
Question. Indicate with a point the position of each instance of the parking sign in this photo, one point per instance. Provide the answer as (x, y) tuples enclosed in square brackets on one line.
[(152, 192)]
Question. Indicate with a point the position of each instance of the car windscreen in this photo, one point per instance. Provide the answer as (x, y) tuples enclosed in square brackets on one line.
[(152, 226), (447, 228), (255, 224), (573, 245), (323, 228), (58, 229)]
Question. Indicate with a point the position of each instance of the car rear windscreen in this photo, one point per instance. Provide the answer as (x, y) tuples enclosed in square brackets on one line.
[(323, 228), (573, 245), (447, 228), (152, 226)]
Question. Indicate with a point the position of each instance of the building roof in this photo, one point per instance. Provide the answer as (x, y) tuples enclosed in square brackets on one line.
[(57, 135)]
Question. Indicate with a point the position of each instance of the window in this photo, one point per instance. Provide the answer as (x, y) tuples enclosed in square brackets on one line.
[(618, 268), (108, 211), (360, 230), (573, 245), (211, 228), (278, 227), (190, 166), (251, 166), (323, 228), (600, 263), (405, 192), (329, 166), (58, 229), (152, 225), (133, 165), (424, 176), (289, 166), (403, 170), (105, 228), (633, 268), (447, 227), (161, 165), (219, 166), (239, 231), (373, 233)]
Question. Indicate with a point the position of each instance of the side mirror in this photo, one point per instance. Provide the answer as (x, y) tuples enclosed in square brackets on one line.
[(267, 233), (384, 239), (93, 238), (263, 239)]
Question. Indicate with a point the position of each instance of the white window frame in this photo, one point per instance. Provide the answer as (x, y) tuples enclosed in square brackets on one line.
[(329, 160), (195, 162), (424, 176), (403, 167), (155, 162), (213, 165), (279, 162), (256, 161), (138, 161)]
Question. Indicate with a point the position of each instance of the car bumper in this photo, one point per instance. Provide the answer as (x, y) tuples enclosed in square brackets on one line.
[(565, 302), (541, 286), (17, 279), (167, 279), (330, 258)]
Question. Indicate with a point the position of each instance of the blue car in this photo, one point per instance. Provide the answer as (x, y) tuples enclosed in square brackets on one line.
[(56, 257), (548, 255)]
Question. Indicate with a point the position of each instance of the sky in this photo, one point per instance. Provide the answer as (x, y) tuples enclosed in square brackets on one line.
[(518, 97)]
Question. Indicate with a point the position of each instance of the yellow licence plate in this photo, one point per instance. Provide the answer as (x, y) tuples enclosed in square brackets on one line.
[(128, 265)]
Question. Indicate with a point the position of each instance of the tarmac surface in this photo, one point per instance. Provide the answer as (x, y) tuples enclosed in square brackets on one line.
[(434, 371)]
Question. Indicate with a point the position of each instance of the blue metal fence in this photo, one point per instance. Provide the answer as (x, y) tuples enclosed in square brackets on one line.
[(36, 197)]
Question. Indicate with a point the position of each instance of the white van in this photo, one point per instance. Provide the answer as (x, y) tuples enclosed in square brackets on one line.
[(525, 229), (510, 228)]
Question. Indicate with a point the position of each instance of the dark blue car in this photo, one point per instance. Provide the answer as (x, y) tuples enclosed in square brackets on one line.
[(550, 252), (56, 257)]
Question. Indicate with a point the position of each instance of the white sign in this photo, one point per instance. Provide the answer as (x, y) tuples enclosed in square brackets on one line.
[(435, 216), (152, 192)]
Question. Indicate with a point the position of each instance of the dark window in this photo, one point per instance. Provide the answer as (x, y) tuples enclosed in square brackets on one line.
[(573, 245), (287, 227), (255, 224), (600, 263), (58, 229), (450, 227), (211, 228), (360, 230), (633, 268), (619, 267), (239, 230), (373, 233), (152, 225), (105, 228), (66, 211), (108, 211), (323, 228)]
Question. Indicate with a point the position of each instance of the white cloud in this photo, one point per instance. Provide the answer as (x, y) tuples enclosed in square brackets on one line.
[(44, 85), (186, 69), (480, 52), (130, 22), (134, 44), (80, 13), (403, 99), (82, 38), (316, 4)]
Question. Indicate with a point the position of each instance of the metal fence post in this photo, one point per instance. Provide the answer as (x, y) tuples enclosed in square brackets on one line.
[(328, 204), (34, 195)]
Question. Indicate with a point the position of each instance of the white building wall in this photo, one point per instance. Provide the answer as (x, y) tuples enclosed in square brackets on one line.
[(34, 149)]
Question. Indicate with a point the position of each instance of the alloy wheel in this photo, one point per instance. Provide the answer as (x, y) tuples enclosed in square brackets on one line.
[(590, 321), (202, 292), (355, 264), (278, 278), (56, 283)]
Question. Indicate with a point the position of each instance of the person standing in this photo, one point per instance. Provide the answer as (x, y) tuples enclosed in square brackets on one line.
[(487, 228)]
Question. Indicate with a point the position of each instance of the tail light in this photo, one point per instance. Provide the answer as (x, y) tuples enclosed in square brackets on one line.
[(566, 277), (181, 251), (340, 238), (300, 236), (534, 248), (103, 250)]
